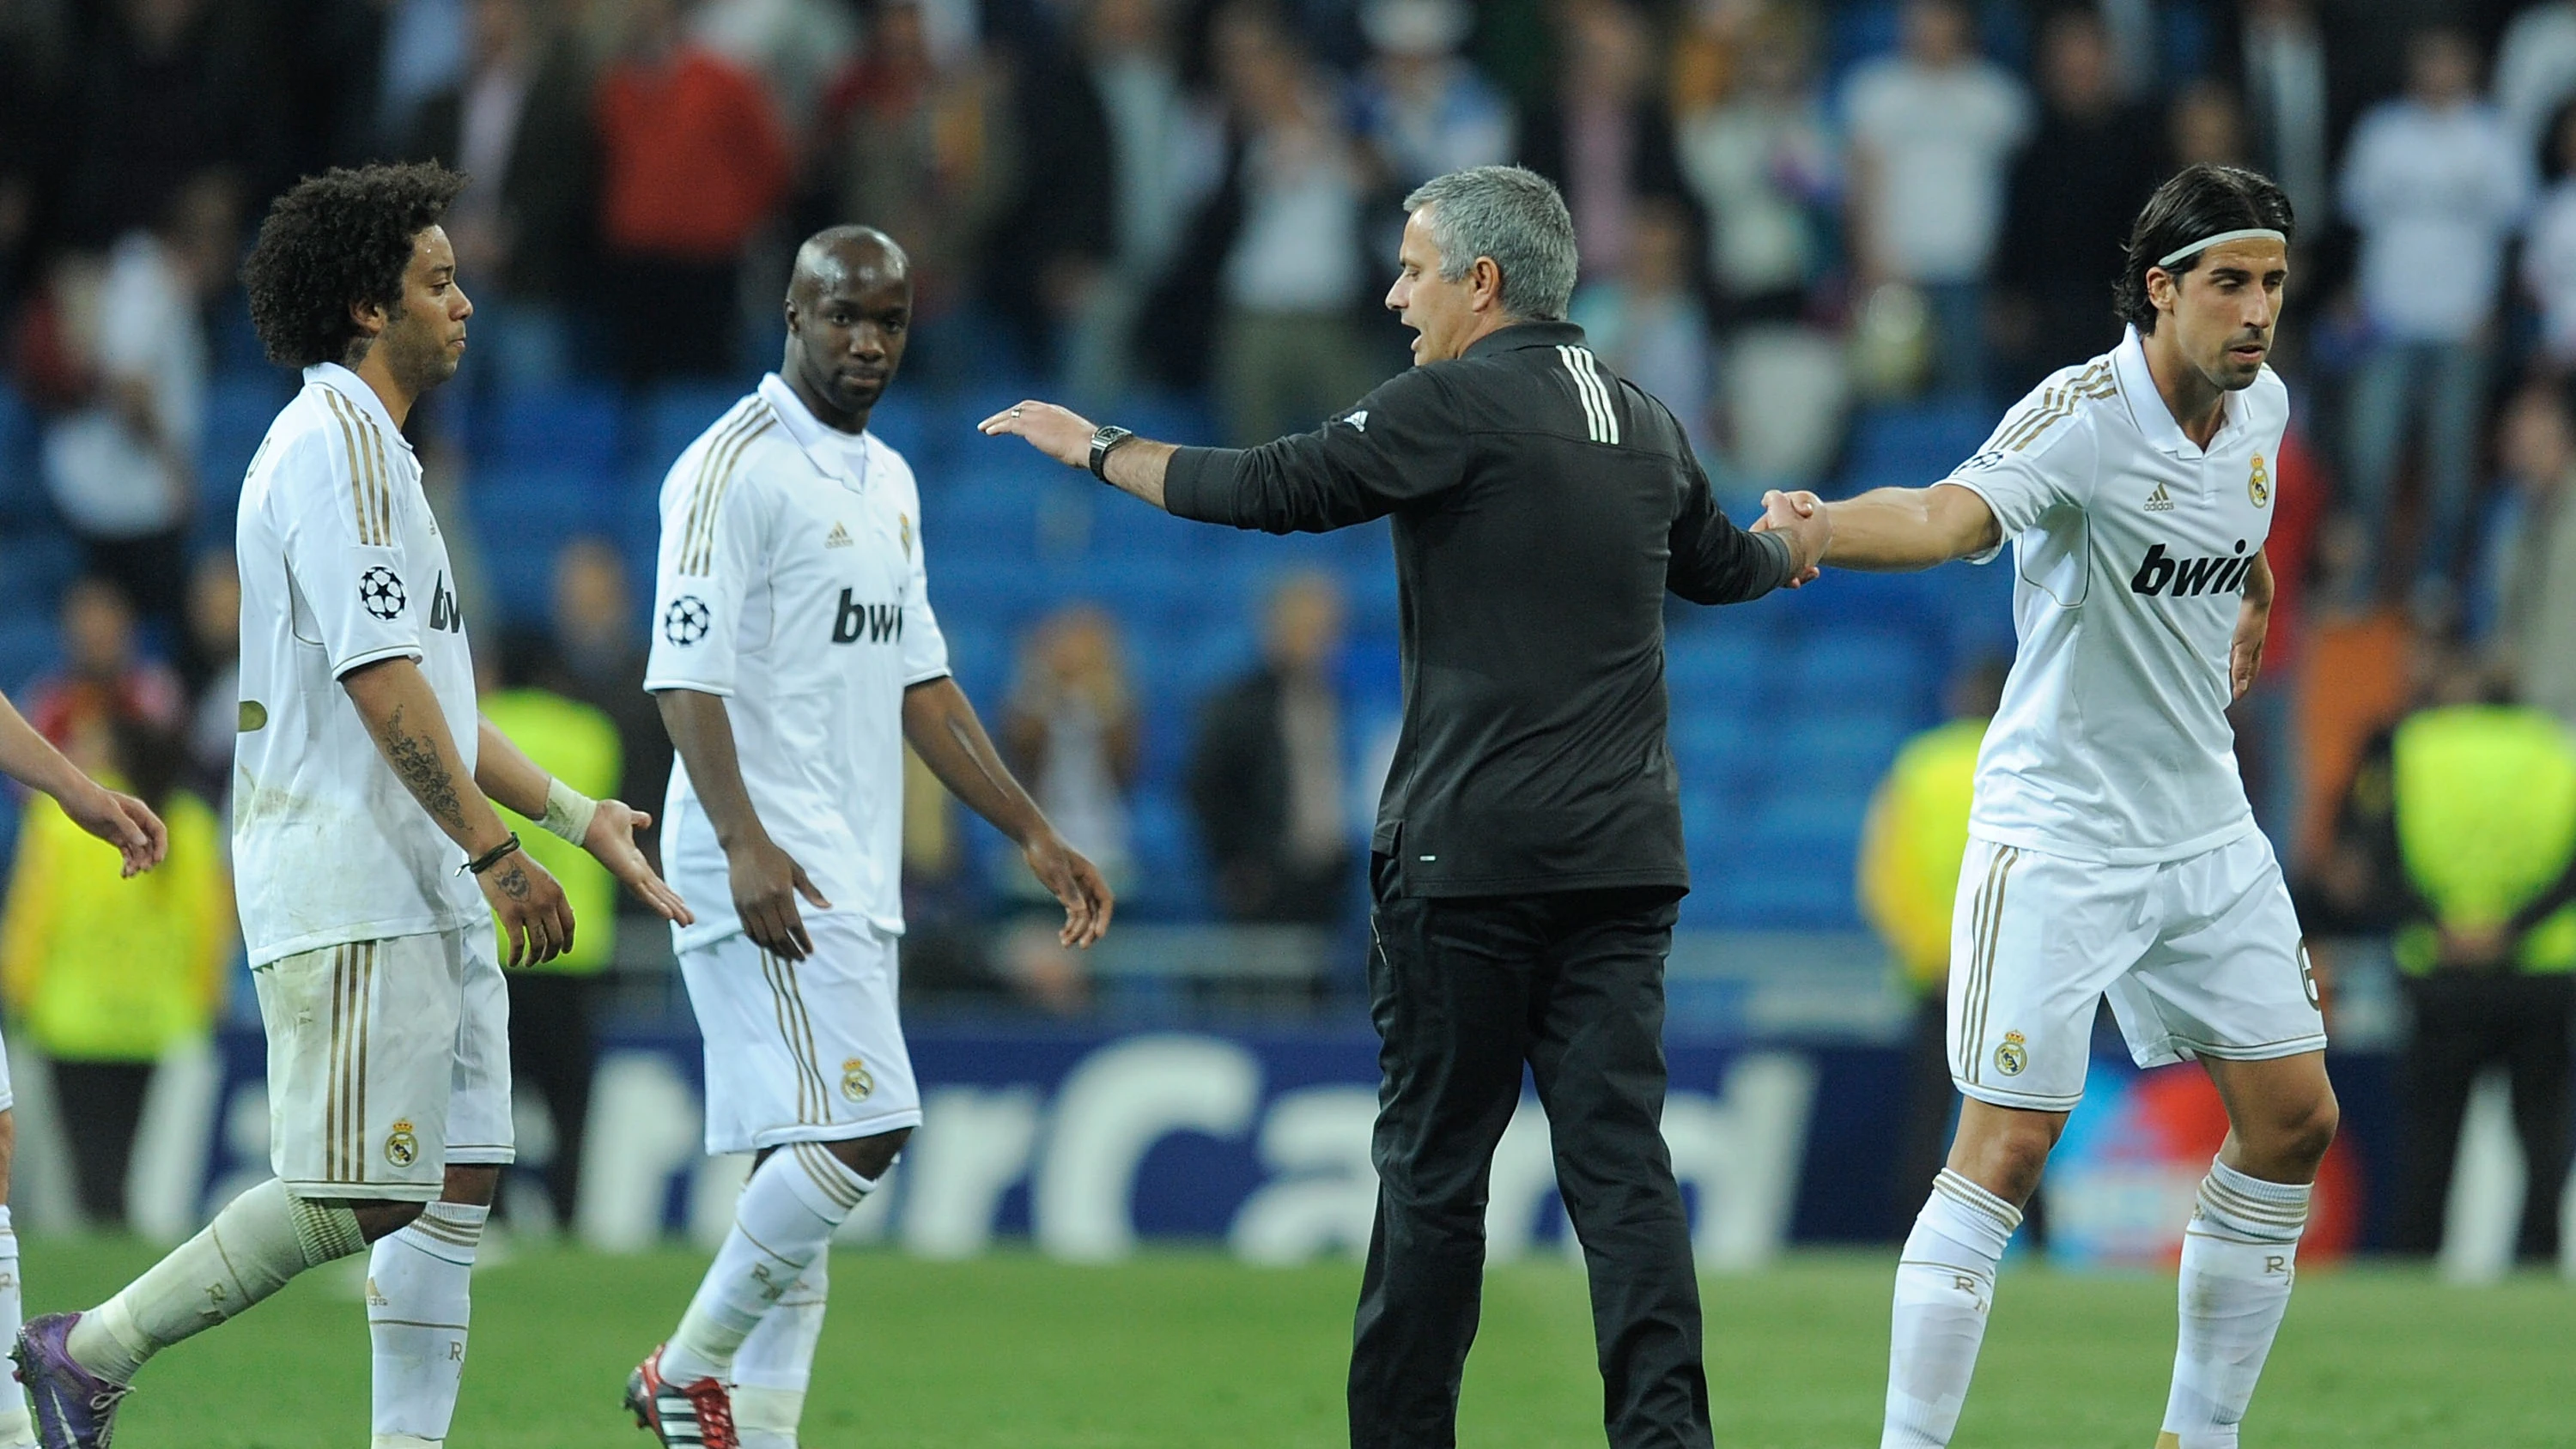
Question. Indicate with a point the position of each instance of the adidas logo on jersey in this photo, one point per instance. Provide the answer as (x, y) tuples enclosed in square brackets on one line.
[(2160, 501), (2159, 573), (839, 537)]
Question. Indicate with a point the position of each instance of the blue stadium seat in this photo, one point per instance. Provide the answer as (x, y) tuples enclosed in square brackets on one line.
[(22, 489), (523, 516), (901, 422), (29, 648), (37, 563), (1918, 444), (1849, 671), (672, 417), (1716, 670), (570, 427)]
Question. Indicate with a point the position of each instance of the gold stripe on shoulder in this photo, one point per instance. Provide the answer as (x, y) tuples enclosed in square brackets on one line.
[(338, 407), (382, 497), (2056, 405), (701, 556), (702, 484)]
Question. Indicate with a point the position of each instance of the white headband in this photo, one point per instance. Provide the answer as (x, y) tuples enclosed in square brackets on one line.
[(2249, 233)]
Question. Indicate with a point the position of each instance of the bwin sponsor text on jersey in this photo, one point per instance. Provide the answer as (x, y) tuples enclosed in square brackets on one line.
[(2161, 573)]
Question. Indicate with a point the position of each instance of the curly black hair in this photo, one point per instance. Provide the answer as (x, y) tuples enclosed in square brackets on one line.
[(338, 239), (2199, 201)]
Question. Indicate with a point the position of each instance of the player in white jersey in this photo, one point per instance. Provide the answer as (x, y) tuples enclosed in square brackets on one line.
[(369, 858), (139, 836), (795, 653), (2113, 853)]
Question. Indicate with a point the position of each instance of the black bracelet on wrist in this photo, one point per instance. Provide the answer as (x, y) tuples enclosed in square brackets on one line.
[(490, 858)]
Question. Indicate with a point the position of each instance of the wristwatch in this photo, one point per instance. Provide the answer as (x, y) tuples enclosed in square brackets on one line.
[(1102, 440)]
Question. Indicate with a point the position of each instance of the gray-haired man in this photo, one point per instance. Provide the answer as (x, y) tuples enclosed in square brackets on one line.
[(1528, 853)]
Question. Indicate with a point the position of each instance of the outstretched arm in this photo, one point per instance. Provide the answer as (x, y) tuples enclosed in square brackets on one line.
[(943, 730), (401, 712), (1890, 530), (605, 828), (121, 820), (1135, 466), (765, 879), (1401, 444)]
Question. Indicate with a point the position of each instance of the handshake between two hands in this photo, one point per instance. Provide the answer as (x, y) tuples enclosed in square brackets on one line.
[(1802, 522)]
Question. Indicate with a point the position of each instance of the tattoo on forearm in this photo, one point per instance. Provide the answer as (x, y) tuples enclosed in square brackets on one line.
[(416, 760), (513, 883)]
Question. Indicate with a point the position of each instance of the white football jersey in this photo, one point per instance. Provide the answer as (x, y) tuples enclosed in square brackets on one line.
[(2132, 545), (791, 582), (341, 565)]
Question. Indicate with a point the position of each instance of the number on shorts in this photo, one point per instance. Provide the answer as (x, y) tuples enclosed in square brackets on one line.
[(2308, 977)]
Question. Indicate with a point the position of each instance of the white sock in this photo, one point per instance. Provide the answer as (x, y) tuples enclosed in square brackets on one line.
[(1945, 1283), (418, 1306), (260, 1240), (2239, 1256), (782, 1224), (766, 1418), (773, 1366), (16, 1429)]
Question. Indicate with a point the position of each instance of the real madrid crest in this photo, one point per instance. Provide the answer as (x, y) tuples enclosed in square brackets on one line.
[(2013, 1055), (856, 1084), (402, 1145), (903, 525), (2258, 483)]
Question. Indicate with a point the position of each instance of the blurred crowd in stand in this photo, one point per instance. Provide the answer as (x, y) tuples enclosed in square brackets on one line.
[(1811, 228)]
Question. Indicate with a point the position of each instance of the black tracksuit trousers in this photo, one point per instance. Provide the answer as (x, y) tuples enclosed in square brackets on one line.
[(1465, 991)]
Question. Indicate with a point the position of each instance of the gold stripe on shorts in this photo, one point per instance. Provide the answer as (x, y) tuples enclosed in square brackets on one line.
[(1976, 955), (2008, 856), (331, 1077), (813, 1059), (358, 1079), (812, 1103)]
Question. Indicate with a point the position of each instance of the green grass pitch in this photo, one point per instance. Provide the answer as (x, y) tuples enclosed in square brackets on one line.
[(1177, 1351)]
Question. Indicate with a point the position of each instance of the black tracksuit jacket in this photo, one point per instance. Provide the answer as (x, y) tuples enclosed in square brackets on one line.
[(1542, 507)]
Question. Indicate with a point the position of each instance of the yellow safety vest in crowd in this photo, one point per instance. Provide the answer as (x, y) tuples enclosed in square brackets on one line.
[(577, 745), (2486, 822), (98, 968), (1911, 846)]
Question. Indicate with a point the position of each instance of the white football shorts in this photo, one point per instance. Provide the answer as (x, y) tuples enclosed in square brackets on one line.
[(387, 1061), (802, 1051), (2200, 957), (8, 1093)]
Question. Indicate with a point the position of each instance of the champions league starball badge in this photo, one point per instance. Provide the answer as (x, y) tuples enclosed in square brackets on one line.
[(686, 621), (380, 592)]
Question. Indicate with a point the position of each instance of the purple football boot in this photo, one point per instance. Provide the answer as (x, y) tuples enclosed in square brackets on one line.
[(74, 1408)]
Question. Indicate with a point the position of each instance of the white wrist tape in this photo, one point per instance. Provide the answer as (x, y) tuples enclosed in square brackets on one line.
[(568, 812)]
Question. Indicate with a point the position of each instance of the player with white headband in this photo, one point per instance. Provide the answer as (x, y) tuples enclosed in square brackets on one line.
[(2113, 853)]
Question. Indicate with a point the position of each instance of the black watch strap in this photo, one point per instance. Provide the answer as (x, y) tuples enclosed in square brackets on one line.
[(1102, 440)]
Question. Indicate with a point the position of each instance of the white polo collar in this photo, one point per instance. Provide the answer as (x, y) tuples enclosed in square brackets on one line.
[(353, 387), (2147, 404), (826, 447)]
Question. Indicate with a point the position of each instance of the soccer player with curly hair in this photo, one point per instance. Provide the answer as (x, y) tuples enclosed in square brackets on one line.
[(371, 864)]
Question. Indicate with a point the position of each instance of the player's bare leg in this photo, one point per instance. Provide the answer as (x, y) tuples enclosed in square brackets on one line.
[(795, 1200), (17, 1430), (1945, 1278), (419, 1304), (2240, 1252)]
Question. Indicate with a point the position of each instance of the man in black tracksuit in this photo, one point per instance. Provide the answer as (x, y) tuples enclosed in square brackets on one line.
[(1528, 852)]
